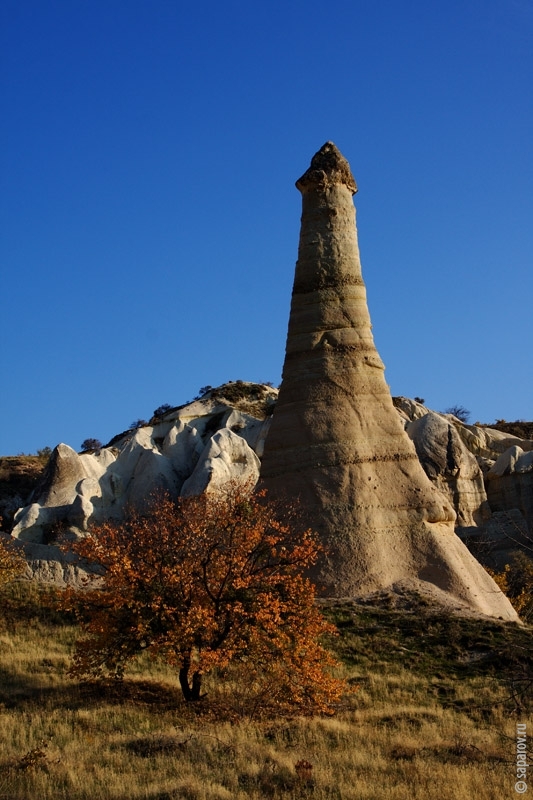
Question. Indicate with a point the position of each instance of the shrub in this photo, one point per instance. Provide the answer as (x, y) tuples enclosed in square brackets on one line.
[(90, 444), (204, 583), (44, 453), (138, 423), (11, 562), (516, 581), (161, 410), (460, 412)]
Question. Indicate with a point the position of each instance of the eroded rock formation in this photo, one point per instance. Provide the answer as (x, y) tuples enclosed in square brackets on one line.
[(336, 440), (194, 448), (451, 467), (357, 463), (487, 475)]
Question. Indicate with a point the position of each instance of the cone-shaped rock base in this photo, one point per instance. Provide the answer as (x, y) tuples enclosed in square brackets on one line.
[(336, 441)]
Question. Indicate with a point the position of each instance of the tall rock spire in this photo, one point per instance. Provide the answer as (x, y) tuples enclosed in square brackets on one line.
[(336, 440)]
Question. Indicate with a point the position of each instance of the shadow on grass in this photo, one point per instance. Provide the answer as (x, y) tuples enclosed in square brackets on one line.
[(27, 693), (437, 646)]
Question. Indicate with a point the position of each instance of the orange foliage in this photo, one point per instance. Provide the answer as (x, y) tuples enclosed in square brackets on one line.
[(516, 581), (206, 582), (11, 561)]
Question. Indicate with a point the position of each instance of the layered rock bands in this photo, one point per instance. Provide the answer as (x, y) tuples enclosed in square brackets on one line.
[(337, 442)]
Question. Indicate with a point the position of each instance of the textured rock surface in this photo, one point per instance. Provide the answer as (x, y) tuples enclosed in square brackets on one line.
[(488, 443), (65, 495), (193, 448), (509, 484), (498, 539), (451, 467), (49, 564), (226, 458), (503, 524), (336, 440)]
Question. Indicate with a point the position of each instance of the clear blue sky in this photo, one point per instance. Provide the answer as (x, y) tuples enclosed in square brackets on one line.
[(149, 220)]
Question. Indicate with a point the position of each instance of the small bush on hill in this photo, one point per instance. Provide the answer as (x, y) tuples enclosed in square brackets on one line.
[(138, 423), (90, 444), (161, 410), (460, 412)]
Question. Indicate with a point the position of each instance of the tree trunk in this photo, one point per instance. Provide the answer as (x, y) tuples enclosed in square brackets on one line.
[(191, 691)]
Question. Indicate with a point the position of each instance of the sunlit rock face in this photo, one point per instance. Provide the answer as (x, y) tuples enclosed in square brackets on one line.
[(451, 467), (486, 474), (198, 447), (336, 440)]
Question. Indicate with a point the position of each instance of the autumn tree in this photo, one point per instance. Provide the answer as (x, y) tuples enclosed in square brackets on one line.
[(516, 581), (207, 582)]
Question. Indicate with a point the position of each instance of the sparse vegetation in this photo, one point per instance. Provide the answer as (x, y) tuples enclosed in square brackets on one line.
[(138, 423), (160, 411), (89, 445), (434, 718), (251, 398), (44, 453), (519, 428), (460, 412)]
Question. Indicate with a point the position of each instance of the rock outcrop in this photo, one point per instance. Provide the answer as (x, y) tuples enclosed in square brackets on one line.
[(509, 484), (194, 448), (70, 491), (493, 500), (385, 486), (451, 467), (225, 458), (220, 442), (336, 440)]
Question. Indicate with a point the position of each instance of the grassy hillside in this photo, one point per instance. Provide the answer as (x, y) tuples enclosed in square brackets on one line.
[(433, 716)]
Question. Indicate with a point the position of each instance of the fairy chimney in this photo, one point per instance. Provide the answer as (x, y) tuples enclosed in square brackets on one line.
[(337, 442)]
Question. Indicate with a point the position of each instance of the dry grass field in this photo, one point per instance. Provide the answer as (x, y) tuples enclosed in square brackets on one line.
[(433, 715)]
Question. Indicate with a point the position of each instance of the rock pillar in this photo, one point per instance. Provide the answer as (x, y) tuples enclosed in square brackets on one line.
[(337, 442)]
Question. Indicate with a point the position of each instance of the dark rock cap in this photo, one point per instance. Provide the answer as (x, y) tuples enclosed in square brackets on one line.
[(328, 167)]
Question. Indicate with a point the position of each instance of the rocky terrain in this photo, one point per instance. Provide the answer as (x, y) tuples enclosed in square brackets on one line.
[(222, 435), (387, 484), (487, 474)]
